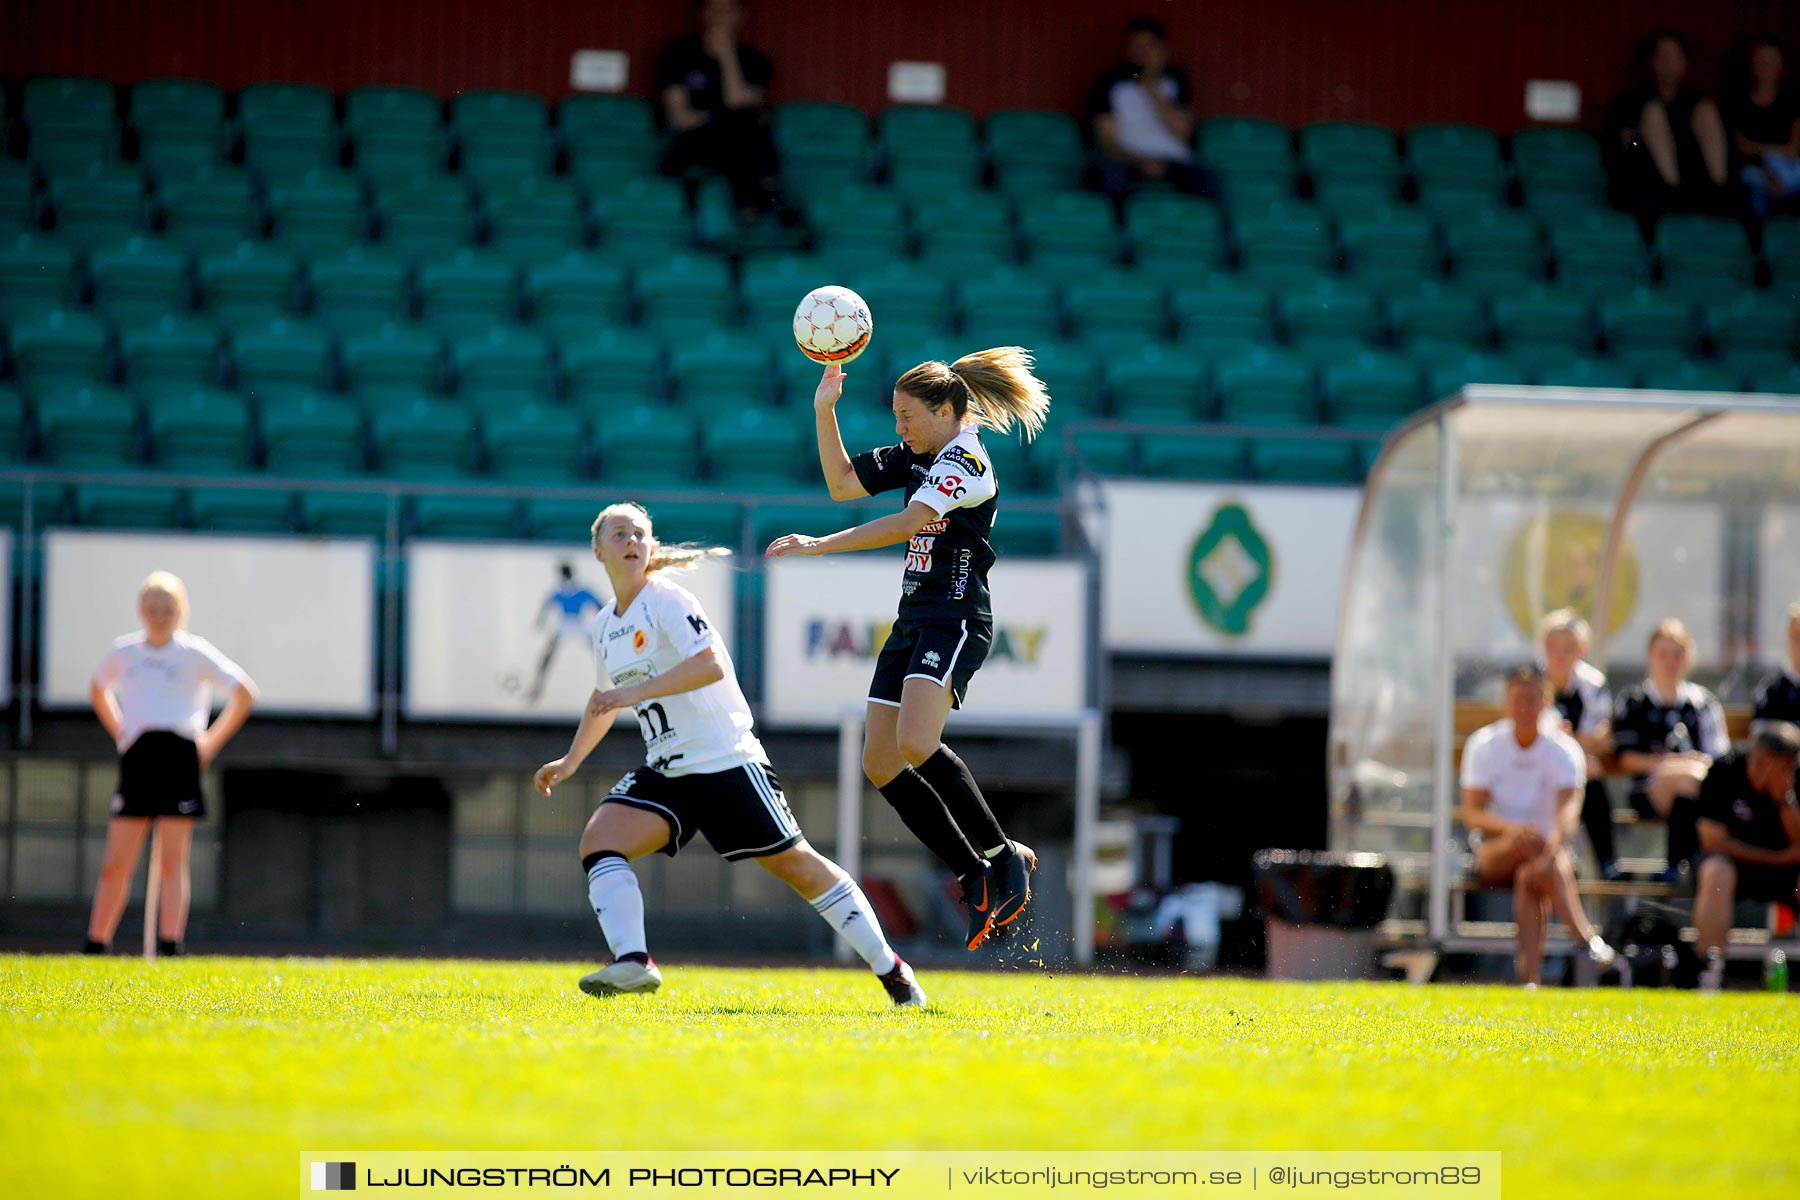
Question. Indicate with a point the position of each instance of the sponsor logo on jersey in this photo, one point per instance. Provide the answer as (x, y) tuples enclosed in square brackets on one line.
[(621, 631), (959, 575), (698, 622), (949, 485), (931, 658), (935, 527), (639, 641), (968, 462), (1741, 810), (918, 564)]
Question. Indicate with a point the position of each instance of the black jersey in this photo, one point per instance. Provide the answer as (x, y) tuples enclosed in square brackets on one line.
[(1747, 815), (1778, 698), (1650, 724), (1587, 704), (947, 562)]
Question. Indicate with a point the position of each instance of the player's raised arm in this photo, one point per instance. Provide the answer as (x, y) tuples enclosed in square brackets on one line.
[(834, 463)]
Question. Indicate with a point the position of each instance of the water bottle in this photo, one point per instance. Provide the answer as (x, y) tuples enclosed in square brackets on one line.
[(1775, 975)]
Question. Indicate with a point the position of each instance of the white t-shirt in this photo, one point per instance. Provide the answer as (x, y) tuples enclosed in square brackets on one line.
[(168, 687), (1139, 130), (705, 730), (1522, 781)]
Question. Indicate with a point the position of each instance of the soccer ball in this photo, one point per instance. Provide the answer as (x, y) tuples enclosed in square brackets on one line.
[(832, 325)]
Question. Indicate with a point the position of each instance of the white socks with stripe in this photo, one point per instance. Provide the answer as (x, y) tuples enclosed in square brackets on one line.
[(613, 891), (844, 907)]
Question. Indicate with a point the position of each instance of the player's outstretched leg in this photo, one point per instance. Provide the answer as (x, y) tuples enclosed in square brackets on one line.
[(842, 905), (616, 899), (951, 778)]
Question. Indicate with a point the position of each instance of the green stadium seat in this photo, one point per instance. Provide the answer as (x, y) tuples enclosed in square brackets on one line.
[(1598, 252), (858, 217), (1559, 169), (396, 133), (1027, 533), (424, 438), (1266, 387), (754, 447), (1389, 248), (504, 369), (963, 222), (176, 151), (1076, 225), (1283, 243), (289, 129), (286, 354), (1704, 257), (67, 98), (241, 510), (612, 371), (720, 373), (502, 135), (62, 345), (1350, 150), (251, 283), (1372, 390), (200, 429), (771, 285), (1193, 456), (644, 446), (1494, 244), (423, 216), (608, 137), (1781, 248), (1451, 146), (576, 295), (61, 146), (537, 442), (1690, 375), (1293, 461), (822, 141), (386, 108), (85, 425), (1457, 168), (906, 295), (488, 517), (1006, 306), (391, 360), (1782, 381), (318, 212), (180, 124), (1222, 309), (211, 209), (535, 220), (470, 292), (1647, 324), (687, 295), (1162, 384), (358, 289), (1107, 451), (1753, 331), (1071, 372), (37, 273), (117, 506), (1544, 323), (18, 198), (293, 105), (97, 203), (12, 425), (1329, 311), (1436, 312), (1254, 155), (344, 514), (139, 279), (1587, 373), (770, 521), (908, 127), (1447, 378), (570, 521), (1171, 234), (1115, 308), (1035, 152), (170, 352)]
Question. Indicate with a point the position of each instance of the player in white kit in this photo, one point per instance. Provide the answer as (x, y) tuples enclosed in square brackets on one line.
[(153, 693), (657, 655)]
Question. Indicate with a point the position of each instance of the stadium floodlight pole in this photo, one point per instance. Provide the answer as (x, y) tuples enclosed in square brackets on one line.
[(153, 888), (1443, 687)]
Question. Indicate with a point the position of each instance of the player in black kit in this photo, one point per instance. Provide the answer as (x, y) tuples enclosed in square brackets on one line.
[(945, 623), (1778, 696)]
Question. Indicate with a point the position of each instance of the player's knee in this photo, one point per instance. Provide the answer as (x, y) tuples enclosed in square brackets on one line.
[(916, 747), (881, 765)]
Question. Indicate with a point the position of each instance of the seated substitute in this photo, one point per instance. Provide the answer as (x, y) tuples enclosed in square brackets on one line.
[(1778, 696), (1522, 780), (1750, 835), (1585, 707)]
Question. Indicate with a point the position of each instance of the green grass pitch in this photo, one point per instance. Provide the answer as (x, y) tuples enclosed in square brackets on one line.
[(207, 1076)]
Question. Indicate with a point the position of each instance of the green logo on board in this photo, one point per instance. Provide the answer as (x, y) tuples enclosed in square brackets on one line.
[(1231, 570)]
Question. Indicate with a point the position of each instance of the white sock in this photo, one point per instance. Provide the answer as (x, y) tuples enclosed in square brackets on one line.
[(846, 910), (613, 891)]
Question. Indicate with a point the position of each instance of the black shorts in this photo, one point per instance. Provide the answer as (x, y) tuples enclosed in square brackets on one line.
[(159, 776), (946, 652), (1767, 883), (741, 811)]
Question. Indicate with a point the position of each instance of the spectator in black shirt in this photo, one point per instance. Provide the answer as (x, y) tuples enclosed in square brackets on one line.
[(1665, 139), (1750, 831), (1141, 113), (1763, 115), (1778, 696), (714, 92), (1666, 732)]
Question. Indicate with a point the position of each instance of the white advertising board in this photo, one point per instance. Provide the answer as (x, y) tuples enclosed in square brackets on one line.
[(486, 630), (825, 620), (298, 614)]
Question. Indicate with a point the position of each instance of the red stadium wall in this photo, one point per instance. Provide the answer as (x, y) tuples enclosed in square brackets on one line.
[(1393, 61)]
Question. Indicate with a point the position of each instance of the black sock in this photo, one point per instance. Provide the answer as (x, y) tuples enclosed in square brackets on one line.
[(949, 776), (923, 810), (1596, 818), (640, 957), (93, 947), (1684, 831), (167, 948)]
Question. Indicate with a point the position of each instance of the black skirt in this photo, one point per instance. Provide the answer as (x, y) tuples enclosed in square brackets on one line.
[(159, 776)]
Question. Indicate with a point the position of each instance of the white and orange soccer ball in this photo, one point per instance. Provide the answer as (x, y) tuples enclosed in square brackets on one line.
[(832, 325)]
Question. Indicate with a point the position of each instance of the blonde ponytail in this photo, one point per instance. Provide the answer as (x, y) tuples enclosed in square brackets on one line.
[(995, 385), (676, 556)]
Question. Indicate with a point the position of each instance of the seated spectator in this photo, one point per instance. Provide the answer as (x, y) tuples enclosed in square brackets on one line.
[(1666, 141), (1142, 116), (1750, 832), (1762, 114), (715, 99), (1778, 696), (1522, 781), (1666, 732), (1585, 708)]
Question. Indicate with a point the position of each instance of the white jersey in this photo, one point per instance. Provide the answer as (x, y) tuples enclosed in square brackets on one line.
[(707, 729), (1522, 782), (167, 687)]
